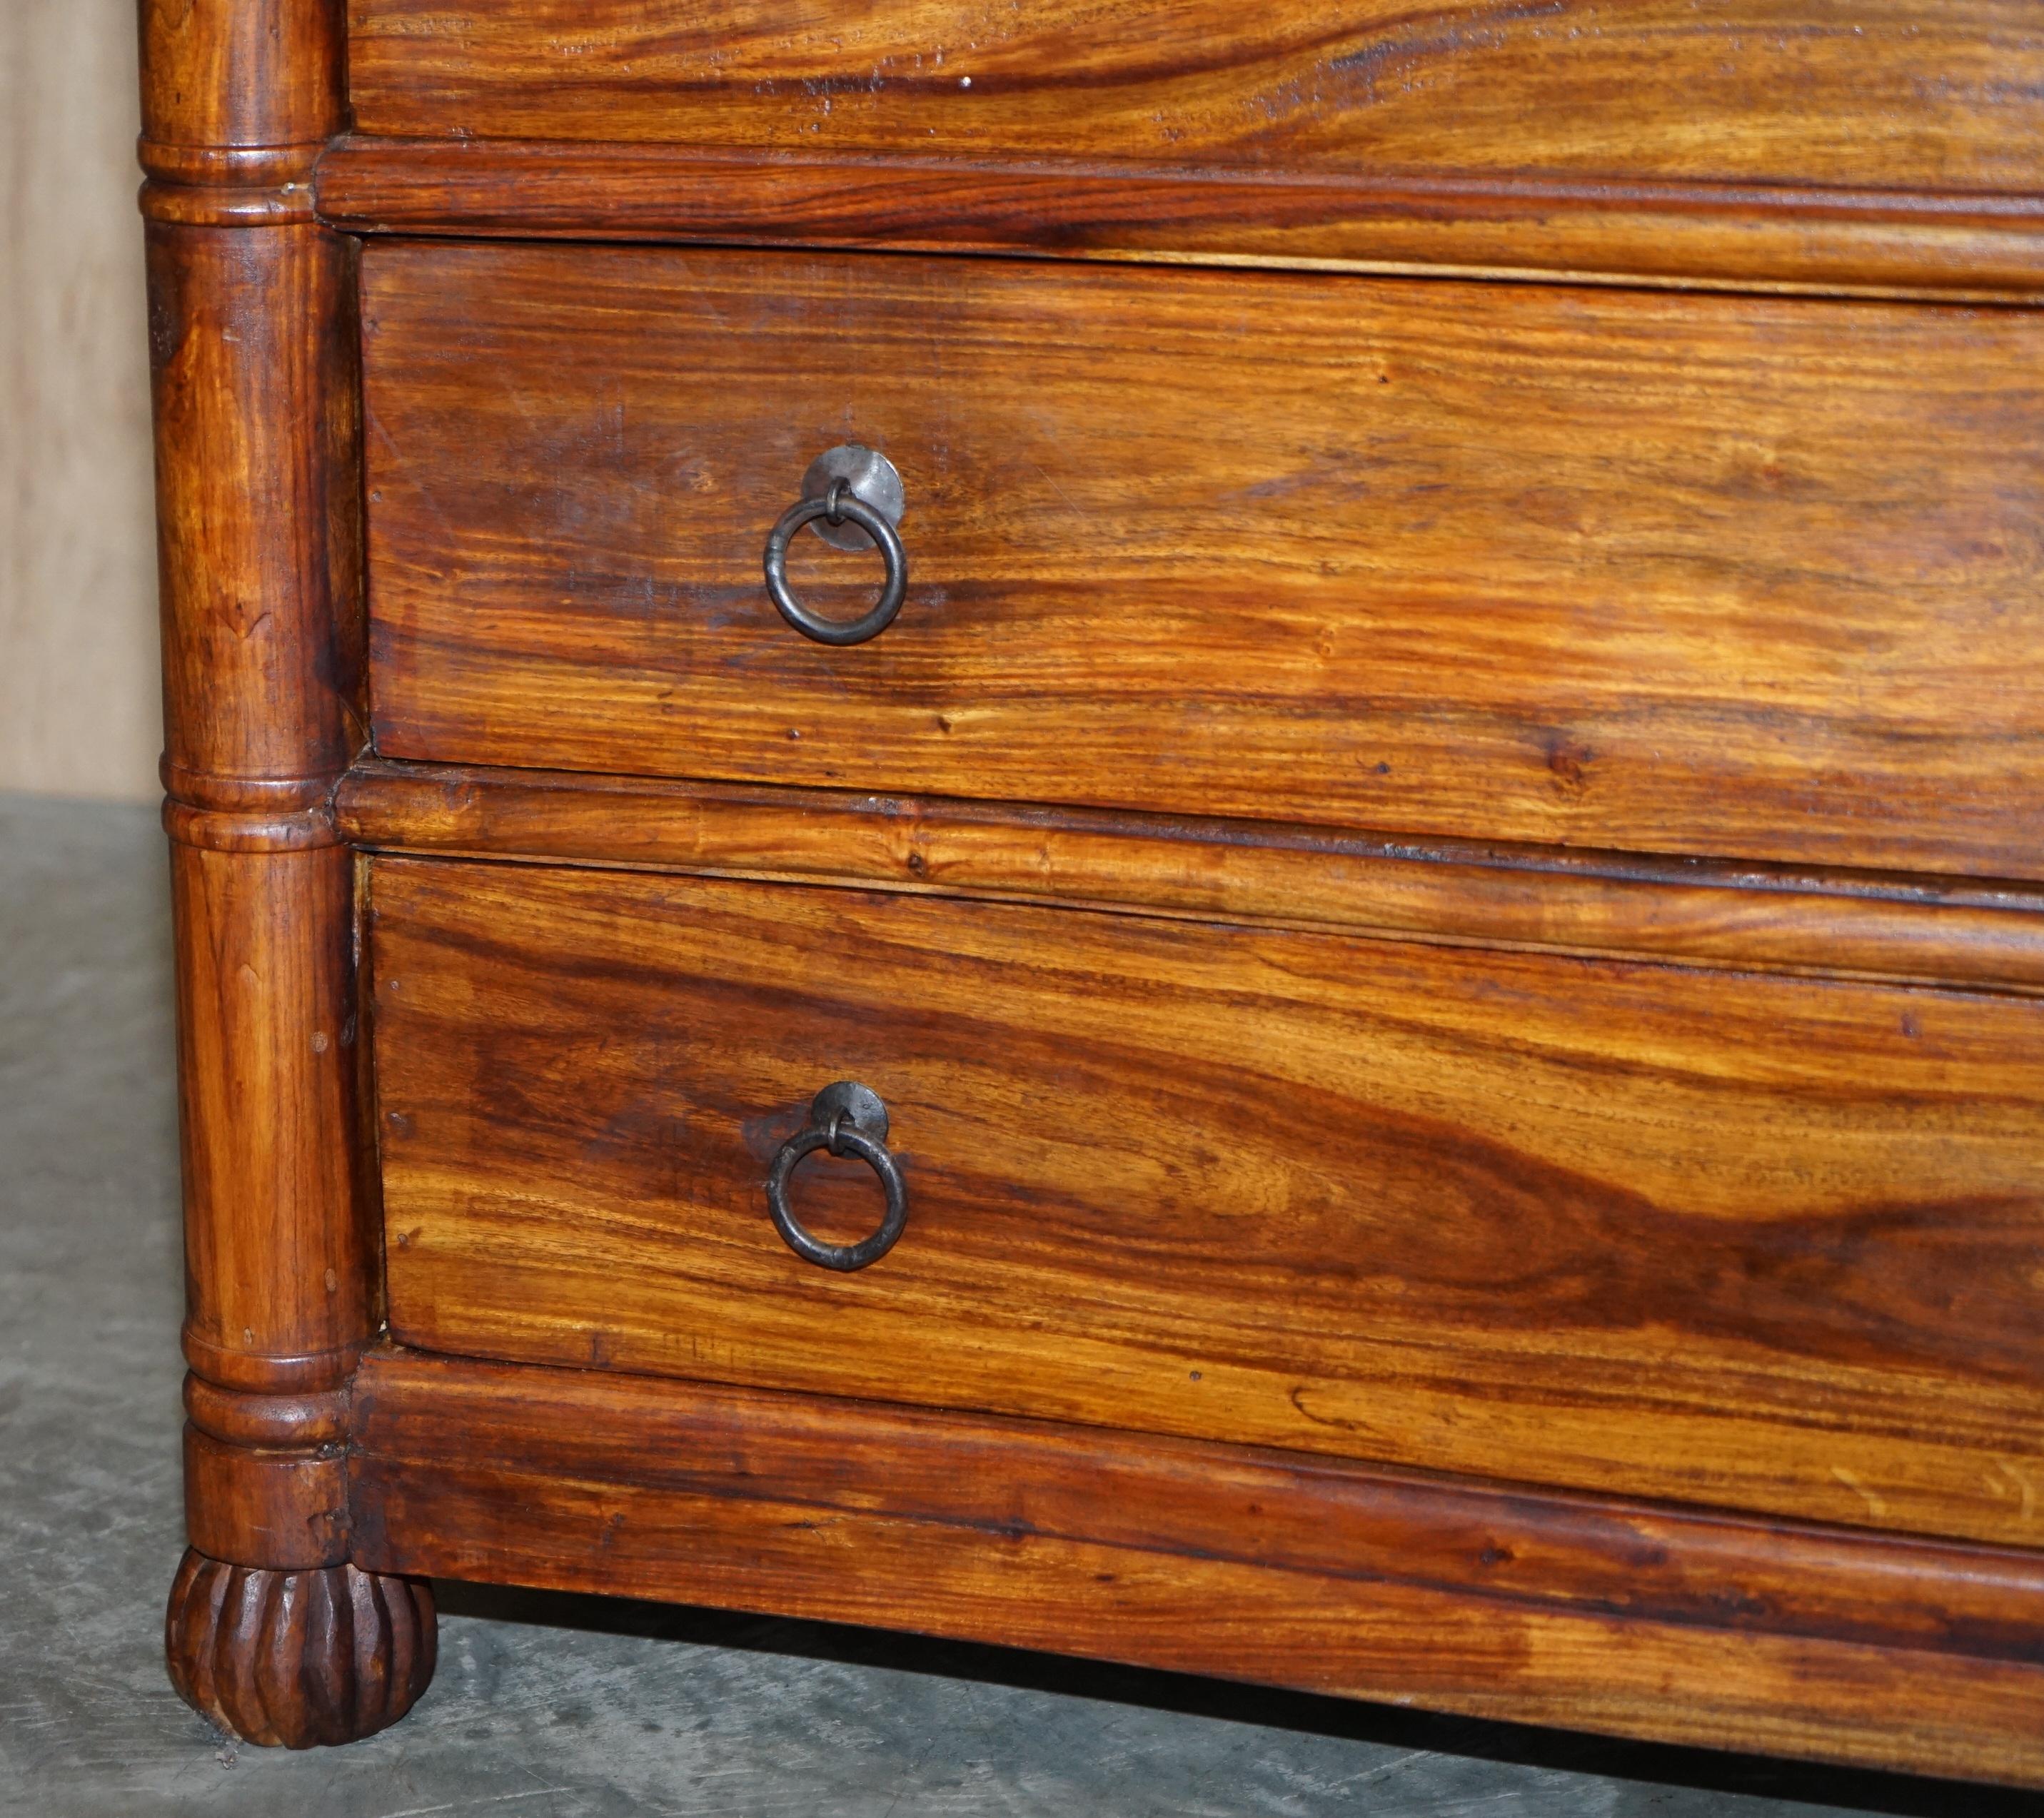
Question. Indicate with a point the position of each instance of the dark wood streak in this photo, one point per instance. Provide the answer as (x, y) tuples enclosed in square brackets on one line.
[(1872, 94), (1751, 237)]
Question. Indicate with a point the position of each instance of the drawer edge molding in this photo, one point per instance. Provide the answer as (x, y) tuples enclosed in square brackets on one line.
[(1928, 931), (1457, 1595), (1751, 237)]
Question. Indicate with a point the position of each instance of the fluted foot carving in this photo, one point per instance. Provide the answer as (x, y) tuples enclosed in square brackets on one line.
[(302, 1658)]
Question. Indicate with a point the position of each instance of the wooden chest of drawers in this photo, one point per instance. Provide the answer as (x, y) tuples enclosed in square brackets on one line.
[(1380, 1029)]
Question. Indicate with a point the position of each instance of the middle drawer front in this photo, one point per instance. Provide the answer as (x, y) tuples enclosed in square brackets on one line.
[(1768, 1242), (1745, 576)]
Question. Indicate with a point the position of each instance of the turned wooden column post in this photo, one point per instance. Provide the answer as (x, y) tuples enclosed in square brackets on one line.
[(271, 1632)]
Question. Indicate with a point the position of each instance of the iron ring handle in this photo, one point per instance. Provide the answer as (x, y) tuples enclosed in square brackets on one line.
[(840, 1136), (840, 505)]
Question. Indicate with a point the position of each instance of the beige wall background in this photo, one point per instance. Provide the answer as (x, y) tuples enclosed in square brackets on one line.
[(80, 713)]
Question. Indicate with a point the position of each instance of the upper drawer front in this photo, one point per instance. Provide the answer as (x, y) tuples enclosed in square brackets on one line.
[(1895, 94), (1693, 574), (1767, 1242)]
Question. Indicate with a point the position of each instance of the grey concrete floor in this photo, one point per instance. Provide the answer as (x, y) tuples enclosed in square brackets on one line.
[(556, 1707)]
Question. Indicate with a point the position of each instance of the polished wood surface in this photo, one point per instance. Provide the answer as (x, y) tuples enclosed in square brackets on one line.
[(1439, 875), (1750, 237), (252, 338), (1486, 1598), (1912, 95), (278, 1248), (1700, 575), (1838, 924), (251, 346), (256, 389), (229, 83), (1766, 1243), (294, 1506)]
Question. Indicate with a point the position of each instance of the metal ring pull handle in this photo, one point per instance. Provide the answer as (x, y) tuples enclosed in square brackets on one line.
[(847, 485), (846, 1118)]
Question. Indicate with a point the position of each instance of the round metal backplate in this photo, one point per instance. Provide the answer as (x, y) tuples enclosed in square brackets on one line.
[(873, 479), (858, 1104)]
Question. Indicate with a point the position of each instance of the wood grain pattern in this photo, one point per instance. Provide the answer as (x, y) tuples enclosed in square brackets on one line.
[(1850, 242), (1839, 924), (266, 1422), (222, 77), (1008, 1477), (1697, 575), (256, 416), (281, 1289), (1894, 93), (252, 340), (259, 538), (1500, 1601), (1766, 1243), (292, 1504)]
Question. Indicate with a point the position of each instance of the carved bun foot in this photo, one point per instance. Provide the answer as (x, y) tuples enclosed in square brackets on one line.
[(297, 1659)]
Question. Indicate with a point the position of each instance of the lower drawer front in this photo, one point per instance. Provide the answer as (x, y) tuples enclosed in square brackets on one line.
[(1762, 1242)]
